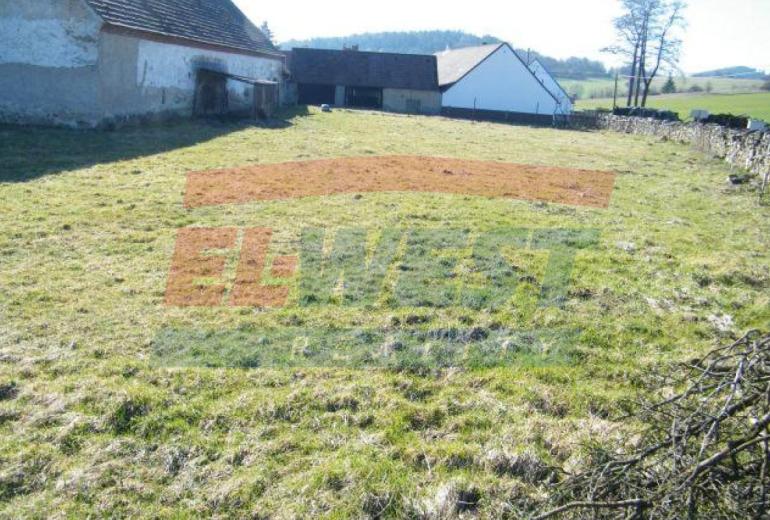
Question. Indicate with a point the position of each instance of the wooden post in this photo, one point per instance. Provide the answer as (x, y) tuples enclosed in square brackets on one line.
[(615, 95)]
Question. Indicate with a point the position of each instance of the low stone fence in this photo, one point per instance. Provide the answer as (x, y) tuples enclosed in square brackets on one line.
[(741, 148)]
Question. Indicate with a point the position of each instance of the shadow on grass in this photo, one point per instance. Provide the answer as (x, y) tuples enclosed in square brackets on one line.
[(27, 153)]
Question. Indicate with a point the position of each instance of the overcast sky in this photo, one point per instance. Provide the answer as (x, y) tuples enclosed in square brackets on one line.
[(720, 33)]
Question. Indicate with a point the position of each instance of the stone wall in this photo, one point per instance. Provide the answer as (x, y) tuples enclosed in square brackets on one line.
[(741, 148)]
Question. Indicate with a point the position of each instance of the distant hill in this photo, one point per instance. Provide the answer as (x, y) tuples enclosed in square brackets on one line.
[(413, 42), (732, 72), (430, 42)]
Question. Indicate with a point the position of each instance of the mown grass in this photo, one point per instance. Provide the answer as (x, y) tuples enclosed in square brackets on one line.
[(93, 423), (753, 105)]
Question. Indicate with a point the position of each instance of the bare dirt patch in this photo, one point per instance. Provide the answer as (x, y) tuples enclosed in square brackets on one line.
[(399, 174)]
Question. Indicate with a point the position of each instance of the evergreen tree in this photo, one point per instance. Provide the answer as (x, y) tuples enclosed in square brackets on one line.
[(265, 28), (669, 87)]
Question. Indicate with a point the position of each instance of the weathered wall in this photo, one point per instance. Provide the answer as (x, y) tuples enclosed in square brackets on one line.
[(289, 93), (741, 148), (48, 62), (57, 66), (48, 33), (141, 77), (417, 101)]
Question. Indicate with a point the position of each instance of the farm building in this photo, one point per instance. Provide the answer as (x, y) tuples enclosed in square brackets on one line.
[(378, 80), (553, 86), (494, 79), (99, 62)]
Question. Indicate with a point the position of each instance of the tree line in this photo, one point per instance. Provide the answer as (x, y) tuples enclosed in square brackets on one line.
[(431, 42)]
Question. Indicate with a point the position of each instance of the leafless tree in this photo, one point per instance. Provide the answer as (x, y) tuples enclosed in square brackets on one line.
[(647, 37), (665, 46)]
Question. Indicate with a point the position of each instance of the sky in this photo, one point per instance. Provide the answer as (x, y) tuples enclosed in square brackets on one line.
[(720, 33)]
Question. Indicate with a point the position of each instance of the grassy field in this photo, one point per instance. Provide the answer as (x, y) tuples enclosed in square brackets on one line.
[(604, 87), (103, 413), (754, 105)]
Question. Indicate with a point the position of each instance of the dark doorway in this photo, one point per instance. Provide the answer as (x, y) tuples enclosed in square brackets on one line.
[(363, 97), (310, 94), (210, 94)]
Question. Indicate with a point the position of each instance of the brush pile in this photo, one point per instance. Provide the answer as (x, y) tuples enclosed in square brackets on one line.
[(705, 451)]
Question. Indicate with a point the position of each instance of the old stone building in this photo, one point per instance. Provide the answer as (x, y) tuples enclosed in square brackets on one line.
[(88, 63)]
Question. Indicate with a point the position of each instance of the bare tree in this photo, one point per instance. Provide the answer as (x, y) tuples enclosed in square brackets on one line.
[(666, 47), (646, 36), (628, 28)]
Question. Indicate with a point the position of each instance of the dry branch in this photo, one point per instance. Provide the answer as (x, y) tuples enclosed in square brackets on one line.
[(705, 450)]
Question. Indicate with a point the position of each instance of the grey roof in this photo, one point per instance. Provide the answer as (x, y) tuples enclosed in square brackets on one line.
[(364, 69), (215, 22), (454, 64)]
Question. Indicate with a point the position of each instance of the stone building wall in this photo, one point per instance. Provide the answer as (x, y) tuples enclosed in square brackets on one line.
[(144, 78), (49, 52), (60, 65)]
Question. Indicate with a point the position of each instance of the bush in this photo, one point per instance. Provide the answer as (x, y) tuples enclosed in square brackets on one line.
[(729, 120), (695, 88), (766, 85), (654, 113)]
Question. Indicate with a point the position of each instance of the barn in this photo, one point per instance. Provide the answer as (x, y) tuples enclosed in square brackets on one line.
[(89, 63), (377, 80), (546, 78), (492, 79)]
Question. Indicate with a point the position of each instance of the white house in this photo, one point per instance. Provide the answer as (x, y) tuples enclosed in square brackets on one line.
[(100, 62), (547, 79), (494, 78)]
